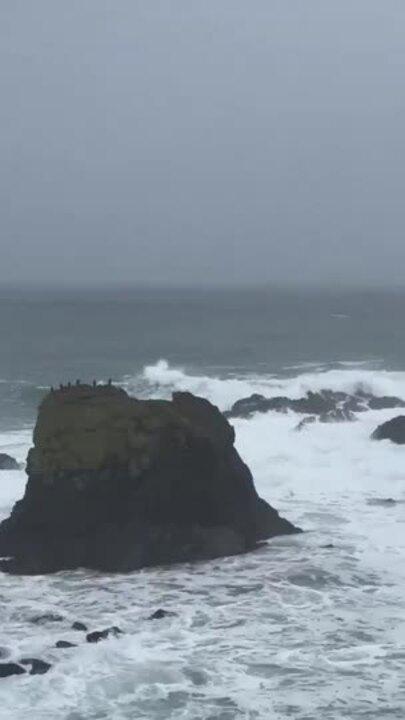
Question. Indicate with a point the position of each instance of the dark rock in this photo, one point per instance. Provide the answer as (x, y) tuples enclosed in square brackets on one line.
[(38, 667), (46, 618), (393, 430), (64, 644), (383, 502), (8, 669), (329, 405), (329, 546), (97, 635), (117, 484), (305, 422), (385, 403), (8, 463), (159, 614), (79, 626)]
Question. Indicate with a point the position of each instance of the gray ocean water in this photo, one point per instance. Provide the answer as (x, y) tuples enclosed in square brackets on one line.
[(47, 338), (310, 626)]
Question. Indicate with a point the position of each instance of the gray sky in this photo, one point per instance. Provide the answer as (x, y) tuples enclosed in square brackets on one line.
[(182, 141)]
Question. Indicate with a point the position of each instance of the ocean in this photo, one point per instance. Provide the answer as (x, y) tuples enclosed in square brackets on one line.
[(307, 626)]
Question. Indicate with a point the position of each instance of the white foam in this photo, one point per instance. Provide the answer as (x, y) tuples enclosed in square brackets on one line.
[(161, 379)]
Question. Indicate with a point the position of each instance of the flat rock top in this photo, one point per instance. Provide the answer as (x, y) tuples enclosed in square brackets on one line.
[(87, 427)]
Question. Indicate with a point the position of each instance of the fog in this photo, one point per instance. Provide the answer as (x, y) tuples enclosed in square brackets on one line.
[(202, 141)]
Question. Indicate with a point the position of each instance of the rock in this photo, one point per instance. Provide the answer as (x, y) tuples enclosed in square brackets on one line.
[(305, 422), (97, 635), (116, 484), (38, 667), (329, 546), (329, 405), (160, 614), (79, 626), (383, 502), (8, 669), (64, 644), (384, 403), (393, 430), (8, 463), (46, 618)]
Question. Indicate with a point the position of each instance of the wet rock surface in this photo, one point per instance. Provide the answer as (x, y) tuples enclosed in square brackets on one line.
[(117, 484), (37, 667), (79, 626), (62, 644), (393, 430), (97, 635), (8, 669), (325, 405), (160, 614), (8, 463)]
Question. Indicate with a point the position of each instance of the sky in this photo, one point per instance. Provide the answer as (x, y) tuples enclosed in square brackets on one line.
[(202, 141)]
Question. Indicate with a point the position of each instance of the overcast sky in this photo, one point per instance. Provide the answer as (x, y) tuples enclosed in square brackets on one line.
[(185, 141)]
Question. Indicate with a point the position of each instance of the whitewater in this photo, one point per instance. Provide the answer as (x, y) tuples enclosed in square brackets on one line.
[(305, 627)]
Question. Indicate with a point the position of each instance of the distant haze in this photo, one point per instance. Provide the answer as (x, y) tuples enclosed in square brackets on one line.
[(194, 141)]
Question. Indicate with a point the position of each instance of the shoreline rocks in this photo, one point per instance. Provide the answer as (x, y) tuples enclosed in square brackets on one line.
[(325, 405), (116, 484)]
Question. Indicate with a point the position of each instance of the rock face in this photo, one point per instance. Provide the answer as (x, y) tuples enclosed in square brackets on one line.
[(393, 430), (7, 462), (116, 484), (326, 405)]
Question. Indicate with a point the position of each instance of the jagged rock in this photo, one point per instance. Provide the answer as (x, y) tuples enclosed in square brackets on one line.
[(8, 669), (79, 626), (64, 644), (116, 484), (328, 405), (8, 463), (160, 614), (38, 667), (97, 635), (393, 430)]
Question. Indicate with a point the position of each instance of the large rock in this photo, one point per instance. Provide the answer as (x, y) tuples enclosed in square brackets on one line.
[(116, 483), (393, 430)]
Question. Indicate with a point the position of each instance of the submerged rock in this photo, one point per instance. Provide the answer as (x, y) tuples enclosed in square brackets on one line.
[(38, 667), (79, 626), (64, 644), (393, 430), (382, 502), (160, 614), (46, 618), (8, 463), (8, 669), (97, 635), (327, 405), (116, 484)]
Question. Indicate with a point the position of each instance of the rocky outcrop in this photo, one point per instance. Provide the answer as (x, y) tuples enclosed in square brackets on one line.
[(116, 484), (326, 405), (8, 463), (393, 430)]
